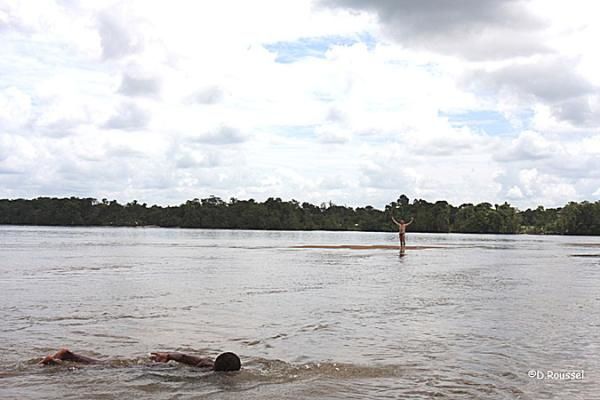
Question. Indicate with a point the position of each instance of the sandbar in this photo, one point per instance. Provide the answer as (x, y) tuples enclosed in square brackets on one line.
[(363, 247)]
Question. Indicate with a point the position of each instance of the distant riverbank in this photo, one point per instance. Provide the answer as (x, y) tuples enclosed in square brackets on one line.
[(275, 214)]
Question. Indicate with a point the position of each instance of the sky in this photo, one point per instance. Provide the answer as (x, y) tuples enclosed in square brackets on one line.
[(350, 101)]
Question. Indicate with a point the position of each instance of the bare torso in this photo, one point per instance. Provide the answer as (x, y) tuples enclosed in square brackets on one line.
[(402, 229)]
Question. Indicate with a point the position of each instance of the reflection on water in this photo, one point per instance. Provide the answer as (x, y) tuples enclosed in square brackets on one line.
[(465, 318)]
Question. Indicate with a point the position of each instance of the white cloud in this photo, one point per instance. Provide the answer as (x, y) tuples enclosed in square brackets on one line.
[(531, 184), (222, 135), (191, 159), (477, 29), (120, 33), (348, 100), (514, 193), (528, 145), (15, 108), (134, 86), (128, 116), (207, 95)]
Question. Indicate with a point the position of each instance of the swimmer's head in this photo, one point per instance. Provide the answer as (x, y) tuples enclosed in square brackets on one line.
[(401, 221), (227, 362)]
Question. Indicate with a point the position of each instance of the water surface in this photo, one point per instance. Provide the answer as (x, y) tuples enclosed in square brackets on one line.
[(464, 320)]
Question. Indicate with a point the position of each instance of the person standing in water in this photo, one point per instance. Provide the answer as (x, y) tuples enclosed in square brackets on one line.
[(402, 230)]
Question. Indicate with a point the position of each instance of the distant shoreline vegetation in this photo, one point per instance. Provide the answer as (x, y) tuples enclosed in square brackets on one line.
[(274, 214)]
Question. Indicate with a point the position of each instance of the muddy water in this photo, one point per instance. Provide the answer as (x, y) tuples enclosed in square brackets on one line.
[(458, 317)]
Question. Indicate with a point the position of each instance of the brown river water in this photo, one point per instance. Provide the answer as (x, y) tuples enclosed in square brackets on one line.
[(458, 317)]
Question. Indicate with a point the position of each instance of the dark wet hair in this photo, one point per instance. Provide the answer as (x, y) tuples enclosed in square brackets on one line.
[(401, 221), (228, 362)]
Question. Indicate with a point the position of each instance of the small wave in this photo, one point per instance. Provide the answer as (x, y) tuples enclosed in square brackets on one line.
[(317, 327), (261, 368), (96, 317), (265, 291), (279, 336), (247, 342), (582, 244), (103, 335)]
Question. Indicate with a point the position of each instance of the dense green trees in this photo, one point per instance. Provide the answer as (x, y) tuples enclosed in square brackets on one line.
[(274, 213)]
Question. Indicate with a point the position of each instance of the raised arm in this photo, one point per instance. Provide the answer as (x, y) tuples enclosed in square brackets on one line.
[(187, 359), (396, 222), (410, 222)]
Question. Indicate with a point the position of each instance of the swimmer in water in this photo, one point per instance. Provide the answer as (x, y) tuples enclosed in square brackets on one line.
[(224, 362)]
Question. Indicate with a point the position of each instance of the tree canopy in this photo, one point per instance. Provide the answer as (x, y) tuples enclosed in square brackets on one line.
[(275, 214)]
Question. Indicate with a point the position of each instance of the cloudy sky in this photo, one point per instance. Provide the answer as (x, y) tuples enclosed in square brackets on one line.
[(350, 101)]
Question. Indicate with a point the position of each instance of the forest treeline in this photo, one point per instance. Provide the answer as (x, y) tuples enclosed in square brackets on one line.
[(275, 214)]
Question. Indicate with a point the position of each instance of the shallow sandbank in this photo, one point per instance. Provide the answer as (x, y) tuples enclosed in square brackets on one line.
[(363, 247)]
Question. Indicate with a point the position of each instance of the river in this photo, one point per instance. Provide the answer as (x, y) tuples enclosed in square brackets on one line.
[(466, 317)]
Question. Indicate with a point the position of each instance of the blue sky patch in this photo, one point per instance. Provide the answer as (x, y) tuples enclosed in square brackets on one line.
[(297, 131), (289, 52), (487, 121)]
